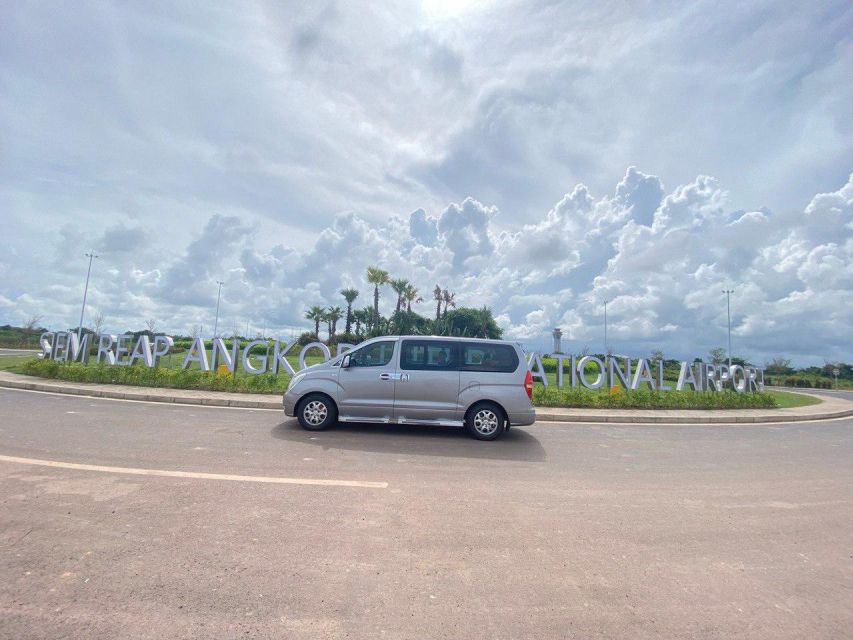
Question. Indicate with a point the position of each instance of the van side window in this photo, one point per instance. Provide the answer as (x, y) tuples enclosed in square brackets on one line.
[(429, 355), (497, 358), (377, 354)]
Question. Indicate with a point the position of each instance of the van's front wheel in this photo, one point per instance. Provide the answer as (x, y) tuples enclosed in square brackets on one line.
[(316, 412), (485, 421)]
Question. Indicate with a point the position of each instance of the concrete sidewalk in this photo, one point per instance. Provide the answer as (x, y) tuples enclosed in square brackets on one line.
[(827, 409)]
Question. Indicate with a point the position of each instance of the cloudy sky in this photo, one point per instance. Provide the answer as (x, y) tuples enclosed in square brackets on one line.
[(537, 157)]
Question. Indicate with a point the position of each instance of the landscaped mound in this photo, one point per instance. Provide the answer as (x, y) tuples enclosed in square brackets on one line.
[(269, 383)]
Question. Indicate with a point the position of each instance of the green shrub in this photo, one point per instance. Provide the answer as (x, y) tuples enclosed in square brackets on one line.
[(645, 399), (143, 376)]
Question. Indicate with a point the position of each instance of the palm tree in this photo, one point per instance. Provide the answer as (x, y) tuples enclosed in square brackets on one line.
[(333, 314), (436, 294), (448, 300), (411, 295), (376, 277), (349, 295), (399, 286), (316, 314), (362, 317)]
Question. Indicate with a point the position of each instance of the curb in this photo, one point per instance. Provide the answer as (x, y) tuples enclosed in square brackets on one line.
[(142, 396), (543, 414)]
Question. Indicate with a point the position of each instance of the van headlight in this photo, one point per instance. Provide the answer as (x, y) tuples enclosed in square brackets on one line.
[(295, 380)]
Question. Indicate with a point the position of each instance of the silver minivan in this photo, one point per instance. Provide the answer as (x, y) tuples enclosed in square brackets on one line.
[(483, 385)]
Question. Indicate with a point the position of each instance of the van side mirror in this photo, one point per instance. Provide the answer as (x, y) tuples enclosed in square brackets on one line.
[(345, 363)]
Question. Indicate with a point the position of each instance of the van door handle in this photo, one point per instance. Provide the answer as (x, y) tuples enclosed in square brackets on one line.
[(384, 376)]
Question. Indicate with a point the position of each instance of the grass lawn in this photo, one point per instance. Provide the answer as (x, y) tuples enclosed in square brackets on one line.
[(13, 363), (786, 400)]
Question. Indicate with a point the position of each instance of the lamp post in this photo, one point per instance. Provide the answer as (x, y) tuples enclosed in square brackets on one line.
[(218, 296), (729, 293), (91, 257), (605, 327)]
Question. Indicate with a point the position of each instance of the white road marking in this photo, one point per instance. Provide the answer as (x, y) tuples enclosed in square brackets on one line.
[(177, 405), (194, 474), (780, 421)]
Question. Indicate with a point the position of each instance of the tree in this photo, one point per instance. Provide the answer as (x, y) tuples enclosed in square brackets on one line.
[(151, 325), (377, 277), (98, 323), (411, 323), (411, 295), (333, 314), (448, 300), (717, 355), (399, 286), (436, 295), (779, 366), (468, 322), (316, 314), (362, 317), (32, 322), (349, 295), (657, 354)]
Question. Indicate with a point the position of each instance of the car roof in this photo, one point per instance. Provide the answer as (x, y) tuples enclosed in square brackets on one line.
[(446, 339)]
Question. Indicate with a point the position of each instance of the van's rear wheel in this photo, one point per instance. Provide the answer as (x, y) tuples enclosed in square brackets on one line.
[(316, 412), (485, 421)]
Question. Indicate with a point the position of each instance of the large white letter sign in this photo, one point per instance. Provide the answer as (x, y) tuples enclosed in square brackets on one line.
[(105, 348), (278, 359), (614, 373), (197, 348), (247, 363), (162, 346), (685, 376), (46, 345), (123, 348), (228, 359), (643, 374), (313, 345), (599, 380), (142, 351), (533, 360)]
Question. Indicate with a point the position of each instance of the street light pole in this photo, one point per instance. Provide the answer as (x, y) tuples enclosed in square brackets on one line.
[(91, 256), (218, 296), (605, 327), (729, 293)]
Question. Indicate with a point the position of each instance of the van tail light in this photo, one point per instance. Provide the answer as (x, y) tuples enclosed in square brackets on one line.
[(528, 384)]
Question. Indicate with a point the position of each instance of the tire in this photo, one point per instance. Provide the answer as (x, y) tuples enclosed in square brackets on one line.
[(485, 421), (316, 412)]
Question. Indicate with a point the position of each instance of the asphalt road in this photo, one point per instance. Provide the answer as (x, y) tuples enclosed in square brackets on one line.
[(832, 393), (556, 531)]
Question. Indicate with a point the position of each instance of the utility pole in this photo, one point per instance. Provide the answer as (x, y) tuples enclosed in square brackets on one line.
[(91, 256), (218, 296), (605, 327), (729, 293)]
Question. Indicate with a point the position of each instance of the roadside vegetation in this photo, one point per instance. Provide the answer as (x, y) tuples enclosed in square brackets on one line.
[(173, 377), (618, 398), (163, 376), (786, 400)]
